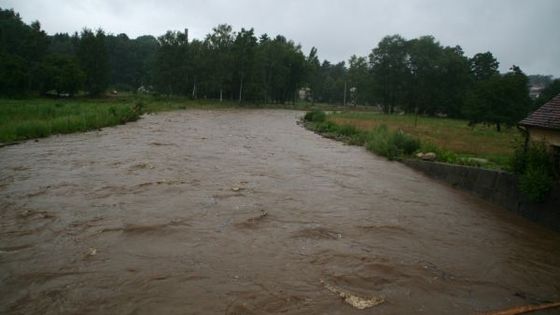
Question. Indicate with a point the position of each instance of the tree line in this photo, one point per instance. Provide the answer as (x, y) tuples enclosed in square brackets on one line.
[(417, 75)]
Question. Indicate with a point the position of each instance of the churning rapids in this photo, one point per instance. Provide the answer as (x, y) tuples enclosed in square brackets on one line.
[(245, 212)]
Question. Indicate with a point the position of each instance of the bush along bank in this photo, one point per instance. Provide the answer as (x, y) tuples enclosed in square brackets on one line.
[(535, 168), (393, 145), (532, 165)]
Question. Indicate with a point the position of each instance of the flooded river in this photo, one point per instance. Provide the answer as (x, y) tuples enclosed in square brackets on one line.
[(245, 212)]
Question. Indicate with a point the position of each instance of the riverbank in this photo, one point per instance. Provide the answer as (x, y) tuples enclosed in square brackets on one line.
[(23, 119), (453, 140)]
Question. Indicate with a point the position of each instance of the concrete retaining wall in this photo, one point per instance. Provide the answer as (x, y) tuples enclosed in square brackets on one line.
[(497, 187)]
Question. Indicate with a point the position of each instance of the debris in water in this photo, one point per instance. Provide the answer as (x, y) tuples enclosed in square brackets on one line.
[(91, 252), (259, 217), (358, 302), (523, 309), (252, 222)]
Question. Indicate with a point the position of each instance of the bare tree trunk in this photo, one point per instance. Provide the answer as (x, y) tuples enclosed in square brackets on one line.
[(240, 89), (194, 90), (221, 94), (312, 98)]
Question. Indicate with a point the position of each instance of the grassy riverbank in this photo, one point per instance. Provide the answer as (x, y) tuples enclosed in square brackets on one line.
[(40, 117), (35, 118), (396, 135)]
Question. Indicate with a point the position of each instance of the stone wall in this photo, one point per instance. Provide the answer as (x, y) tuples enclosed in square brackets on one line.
[(497, 187)]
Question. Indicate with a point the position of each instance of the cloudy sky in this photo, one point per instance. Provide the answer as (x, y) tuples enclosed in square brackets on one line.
[(521, 32)]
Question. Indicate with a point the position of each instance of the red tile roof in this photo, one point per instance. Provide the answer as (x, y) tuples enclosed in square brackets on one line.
[(547, 116)]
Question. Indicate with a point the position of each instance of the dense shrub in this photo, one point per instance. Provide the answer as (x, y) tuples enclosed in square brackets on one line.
[(536, 183), (315, 116), (405, 143), (535, 167), (381, 140), (391, 145)]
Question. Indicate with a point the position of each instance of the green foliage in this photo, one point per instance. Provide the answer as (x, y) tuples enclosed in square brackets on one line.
[(442, 155), (359, 79), (61, 74), (536, 183), (29, 119), (171, 66), (499, 100), (93, 57), (392, 145), (130, 61), (22, 48), (535, 167), (382, 141), (484, 66), (315, 116), (389, 62), (405, 143)]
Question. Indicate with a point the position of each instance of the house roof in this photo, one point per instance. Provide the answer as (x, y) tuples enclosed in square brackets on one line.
[(547, 116)]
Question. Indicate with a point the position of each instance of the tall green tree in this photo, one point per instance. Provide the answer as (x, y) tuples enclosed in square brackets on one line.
[(62, 74), (313, 67), (425, 73), (200, 63), (389, 65), (22, 48), (455, 81), (334, 82), (244, 52), (219, 44), (484, 66), (94, 61), (359, 79), (171, 64), (500, 99)]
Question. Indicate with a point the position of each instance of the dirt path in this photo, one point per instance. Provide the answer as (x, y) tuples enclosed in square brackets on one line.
[(242, 212)]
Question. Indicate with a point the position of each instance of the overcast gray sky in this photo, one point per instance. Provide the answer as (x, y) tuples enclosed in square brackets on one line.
[(521, 32)]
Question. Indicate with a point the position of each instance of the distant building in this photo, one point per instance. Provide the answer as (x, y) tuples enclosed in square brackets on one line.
[(535, 91), (543, 125), (304, 94)]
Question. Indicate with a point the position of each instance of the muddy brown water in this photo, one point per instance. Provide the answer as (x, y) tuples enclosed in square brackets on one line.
[(245, 212)]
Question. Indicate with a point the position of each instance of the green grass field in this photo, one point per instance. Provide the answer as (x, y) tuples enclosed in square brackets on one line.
[(441, 134), (35, 118)]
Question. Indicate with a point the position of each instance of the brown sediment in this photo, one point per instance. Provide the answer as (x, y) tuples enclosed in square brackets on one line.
[(249, 221)]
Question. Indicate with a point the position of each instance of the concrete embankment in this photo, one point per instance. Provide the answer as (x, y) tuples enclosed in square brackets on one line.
[(498, 187)]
